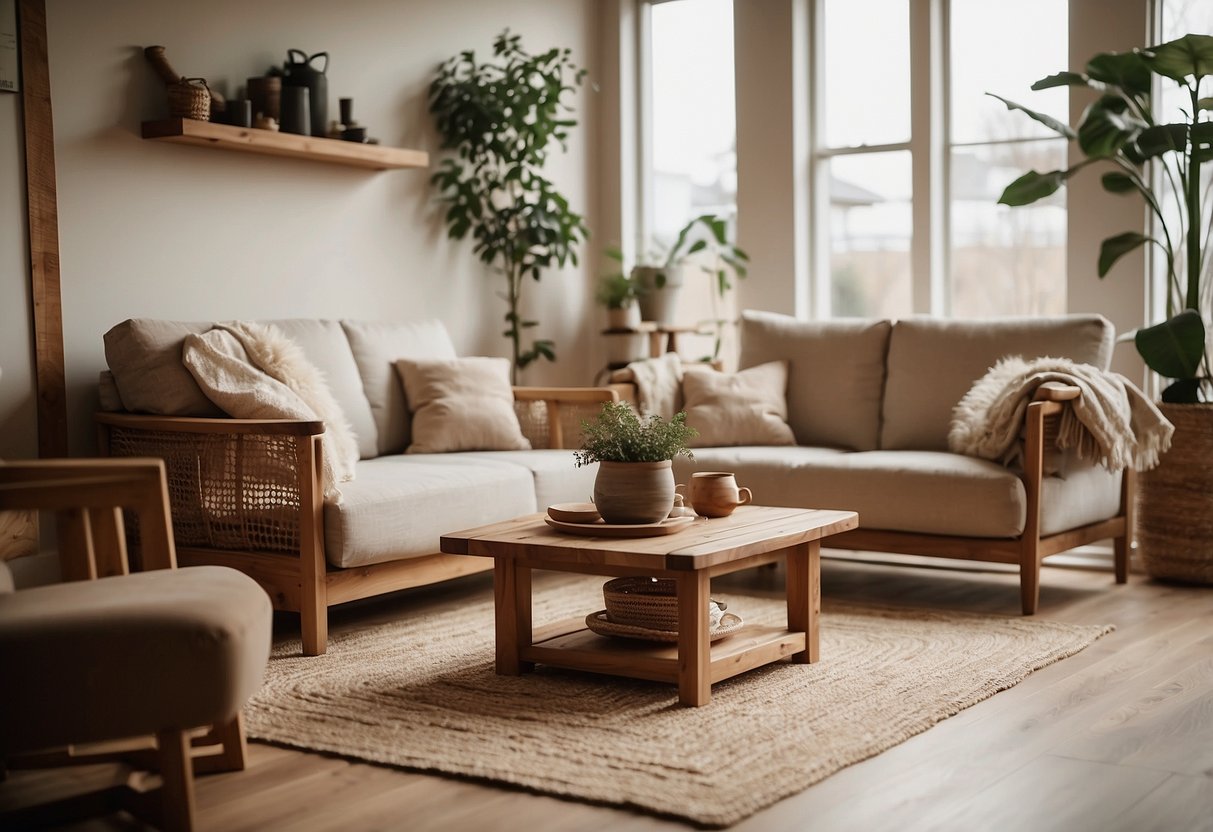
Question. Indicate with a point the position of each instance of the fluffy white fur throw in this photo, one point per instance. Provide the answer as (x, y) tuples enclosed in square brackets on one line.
[(658, 384), (253, 371), (1112, 422)]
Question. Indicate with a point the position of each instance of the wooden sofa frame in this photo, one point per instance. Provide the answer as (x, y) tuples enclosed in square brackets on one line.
[(299, 578)]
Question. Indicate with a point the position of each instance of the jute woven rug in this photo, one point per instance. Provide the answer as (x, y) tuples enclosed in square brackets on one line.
[(421, 693)]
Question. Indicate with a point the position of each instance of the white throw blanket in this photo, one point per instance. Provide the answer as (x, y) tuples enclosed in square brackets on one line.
[(658, 384), (252, 371), (1112, 422)]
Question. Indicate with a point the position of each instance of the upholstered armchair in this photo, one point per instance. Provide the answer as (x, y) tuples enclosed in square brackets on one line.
[(153, 661)]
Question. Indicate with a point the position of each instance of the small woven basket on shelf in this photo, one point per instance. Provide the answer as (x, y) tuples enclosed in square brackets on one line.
[(190, 98), (651, 603)]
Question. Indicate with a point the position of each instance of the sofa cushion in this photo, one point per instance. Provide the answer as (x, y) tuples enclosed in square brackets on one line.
[(399, 506), (557, 477), (461, 404), (743, 408), (325, 345), (928, 492), (376, 346), (835, 374), (145, 357), (933, 362)]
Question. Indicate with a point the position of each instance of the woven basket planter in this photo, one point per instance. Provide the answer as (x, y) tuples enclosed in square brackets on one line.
[(1175, 501)]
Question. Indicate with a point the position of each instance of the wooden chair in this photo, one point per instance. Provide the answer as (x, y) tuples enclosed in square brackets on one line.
[(43, 719)]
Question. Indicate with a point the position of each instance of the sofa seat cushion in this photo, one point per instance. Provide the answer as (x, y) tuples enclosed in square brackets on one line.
[(933, 362), (928, 492), (399, 506), (557, 477)]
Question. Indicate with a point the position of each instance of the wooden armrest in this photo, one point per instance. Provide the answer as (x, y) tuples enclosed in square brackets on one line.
[(565, 394), (197, 424), (1056, 391)]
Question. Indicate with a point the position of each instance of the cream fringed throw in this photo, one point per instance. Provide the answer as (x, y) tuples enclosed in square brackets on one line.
[(251, 371), (658, 384), (1112, 422)]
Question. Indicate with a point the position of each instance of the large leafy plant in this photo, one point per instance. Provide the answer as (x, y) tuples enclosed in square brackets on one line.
[(502, 118), (1119, 131)]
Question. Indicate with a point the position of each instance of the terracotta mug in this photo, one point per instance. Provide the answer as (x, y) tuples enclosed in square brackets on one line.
[(715, 493)]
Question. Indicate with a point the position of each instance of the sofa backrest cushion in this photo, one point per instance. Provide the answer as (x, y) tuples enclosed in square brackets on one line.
[(325, 345), (933, 362), (376, 346), (835, 374), (145, 357)]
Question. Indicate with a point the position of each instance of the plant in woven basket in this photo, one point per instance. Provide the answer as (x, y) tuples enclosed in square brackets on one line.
[(1163, 163), (502, 117), (635, 481)]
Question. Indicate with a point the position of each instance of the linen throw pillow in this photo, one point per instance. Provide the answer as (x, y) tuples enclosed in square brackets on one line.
[(745, 408), (461, 404)]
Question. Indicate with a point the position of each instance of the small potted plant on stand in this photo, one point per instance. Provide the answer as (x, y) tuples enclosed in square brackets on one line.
[(625, 341), (635, 482)]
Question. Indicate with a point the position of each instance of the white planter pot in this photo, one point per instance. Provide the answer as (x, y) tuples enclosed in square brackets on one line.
[(625, 347), (658, 303)]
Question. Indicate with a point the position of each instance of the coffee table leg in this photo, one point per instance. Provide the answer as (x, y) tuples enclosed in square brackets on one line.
[(512, 601), (804, 597), (694, 649)]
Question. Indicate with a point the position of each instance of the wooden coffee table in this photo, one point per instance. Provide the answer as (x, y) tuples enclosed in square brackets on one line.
[(751, 536)]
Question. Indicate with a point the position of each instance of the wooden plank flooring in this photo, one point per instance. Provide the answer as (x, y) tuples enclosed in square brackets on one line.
[(1119, 737)]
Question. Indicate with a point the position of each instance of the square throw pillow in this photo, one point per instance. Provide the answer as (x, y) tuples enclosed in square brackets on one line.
[(745, 408), (461, 404)]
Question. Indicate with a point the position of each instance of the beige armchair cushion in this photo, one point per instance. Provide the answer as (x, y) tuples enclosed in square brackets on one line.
[(376, 346), (461, 404), (933, 362), (744, 408), (835, 374)]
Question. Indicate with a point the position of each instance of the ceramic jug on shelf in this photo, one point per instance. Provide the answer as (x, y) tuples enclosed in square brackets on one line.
[(300, 72)]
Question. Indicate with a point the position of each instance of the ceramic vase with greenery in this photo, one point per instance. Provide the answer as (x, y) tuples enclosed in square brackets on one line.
[(618, 293), (635, 482), (1168, 166), (502, 118)]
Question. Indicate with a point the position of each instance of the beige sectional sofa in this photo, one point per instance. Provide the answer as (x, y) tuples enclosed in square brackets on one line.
[(247, 493), (870, 404)]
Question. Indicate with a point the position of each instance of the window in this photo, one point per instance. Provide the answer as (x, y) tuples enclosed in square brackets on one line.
[(690, 130), (1002, 260), (865, 164), (871, 72)]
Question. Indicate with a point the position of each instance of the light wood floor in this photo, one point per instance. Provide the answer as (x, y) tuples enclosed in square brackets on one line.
[(1119, 737)]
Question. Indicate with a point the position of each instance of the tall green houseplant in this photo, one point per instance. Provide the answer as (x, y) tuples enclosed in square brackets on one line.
[(1120, 131), (501, 118)]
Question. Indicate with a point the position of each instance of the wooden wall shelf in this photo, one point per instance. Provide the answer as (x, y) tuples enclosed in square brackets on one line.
[(272, 143)]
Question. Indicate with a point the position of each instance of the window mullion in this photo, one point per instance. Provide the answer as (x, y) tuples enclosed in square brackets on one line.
[(928, 158)]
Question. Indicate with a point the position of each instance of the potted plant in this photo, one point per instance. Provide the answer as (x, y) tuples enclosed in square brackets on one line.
[(635, 482), (618, 292), (1161, 163), (502, 117), (659, 278)]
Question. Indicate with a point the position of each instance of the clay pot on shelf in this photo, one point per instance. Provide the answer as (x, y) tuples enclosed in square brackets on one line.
[(659, 289)]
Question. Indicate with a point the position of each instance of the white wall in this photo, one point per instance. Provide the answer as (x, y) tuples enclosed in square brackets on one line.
[(168, 231), (18, 412)]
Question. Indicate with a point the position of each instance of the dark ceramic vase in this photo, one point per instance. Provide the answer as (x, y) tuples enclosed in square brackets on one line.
[(299, 72)]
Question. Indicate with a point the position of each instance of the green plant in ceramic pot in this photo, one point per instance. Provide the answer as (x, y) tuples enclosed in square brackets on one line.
[(502, 117), (659, 276), (635, 482), (1119, 132), (1167, 165), (618, 292)]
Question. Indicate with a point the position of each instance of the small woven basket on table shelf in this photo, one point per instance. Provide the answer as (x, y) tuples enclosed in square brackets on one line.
[(650, 603), (190, 98)]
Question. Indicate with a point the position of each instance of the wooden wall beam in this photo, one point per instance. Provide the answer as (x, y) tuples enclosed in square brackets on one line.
[(43, 210)]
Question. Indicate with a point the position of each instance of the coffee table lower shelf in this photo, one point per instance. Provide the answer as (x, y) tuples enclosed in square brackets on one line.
[(569, 644)]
